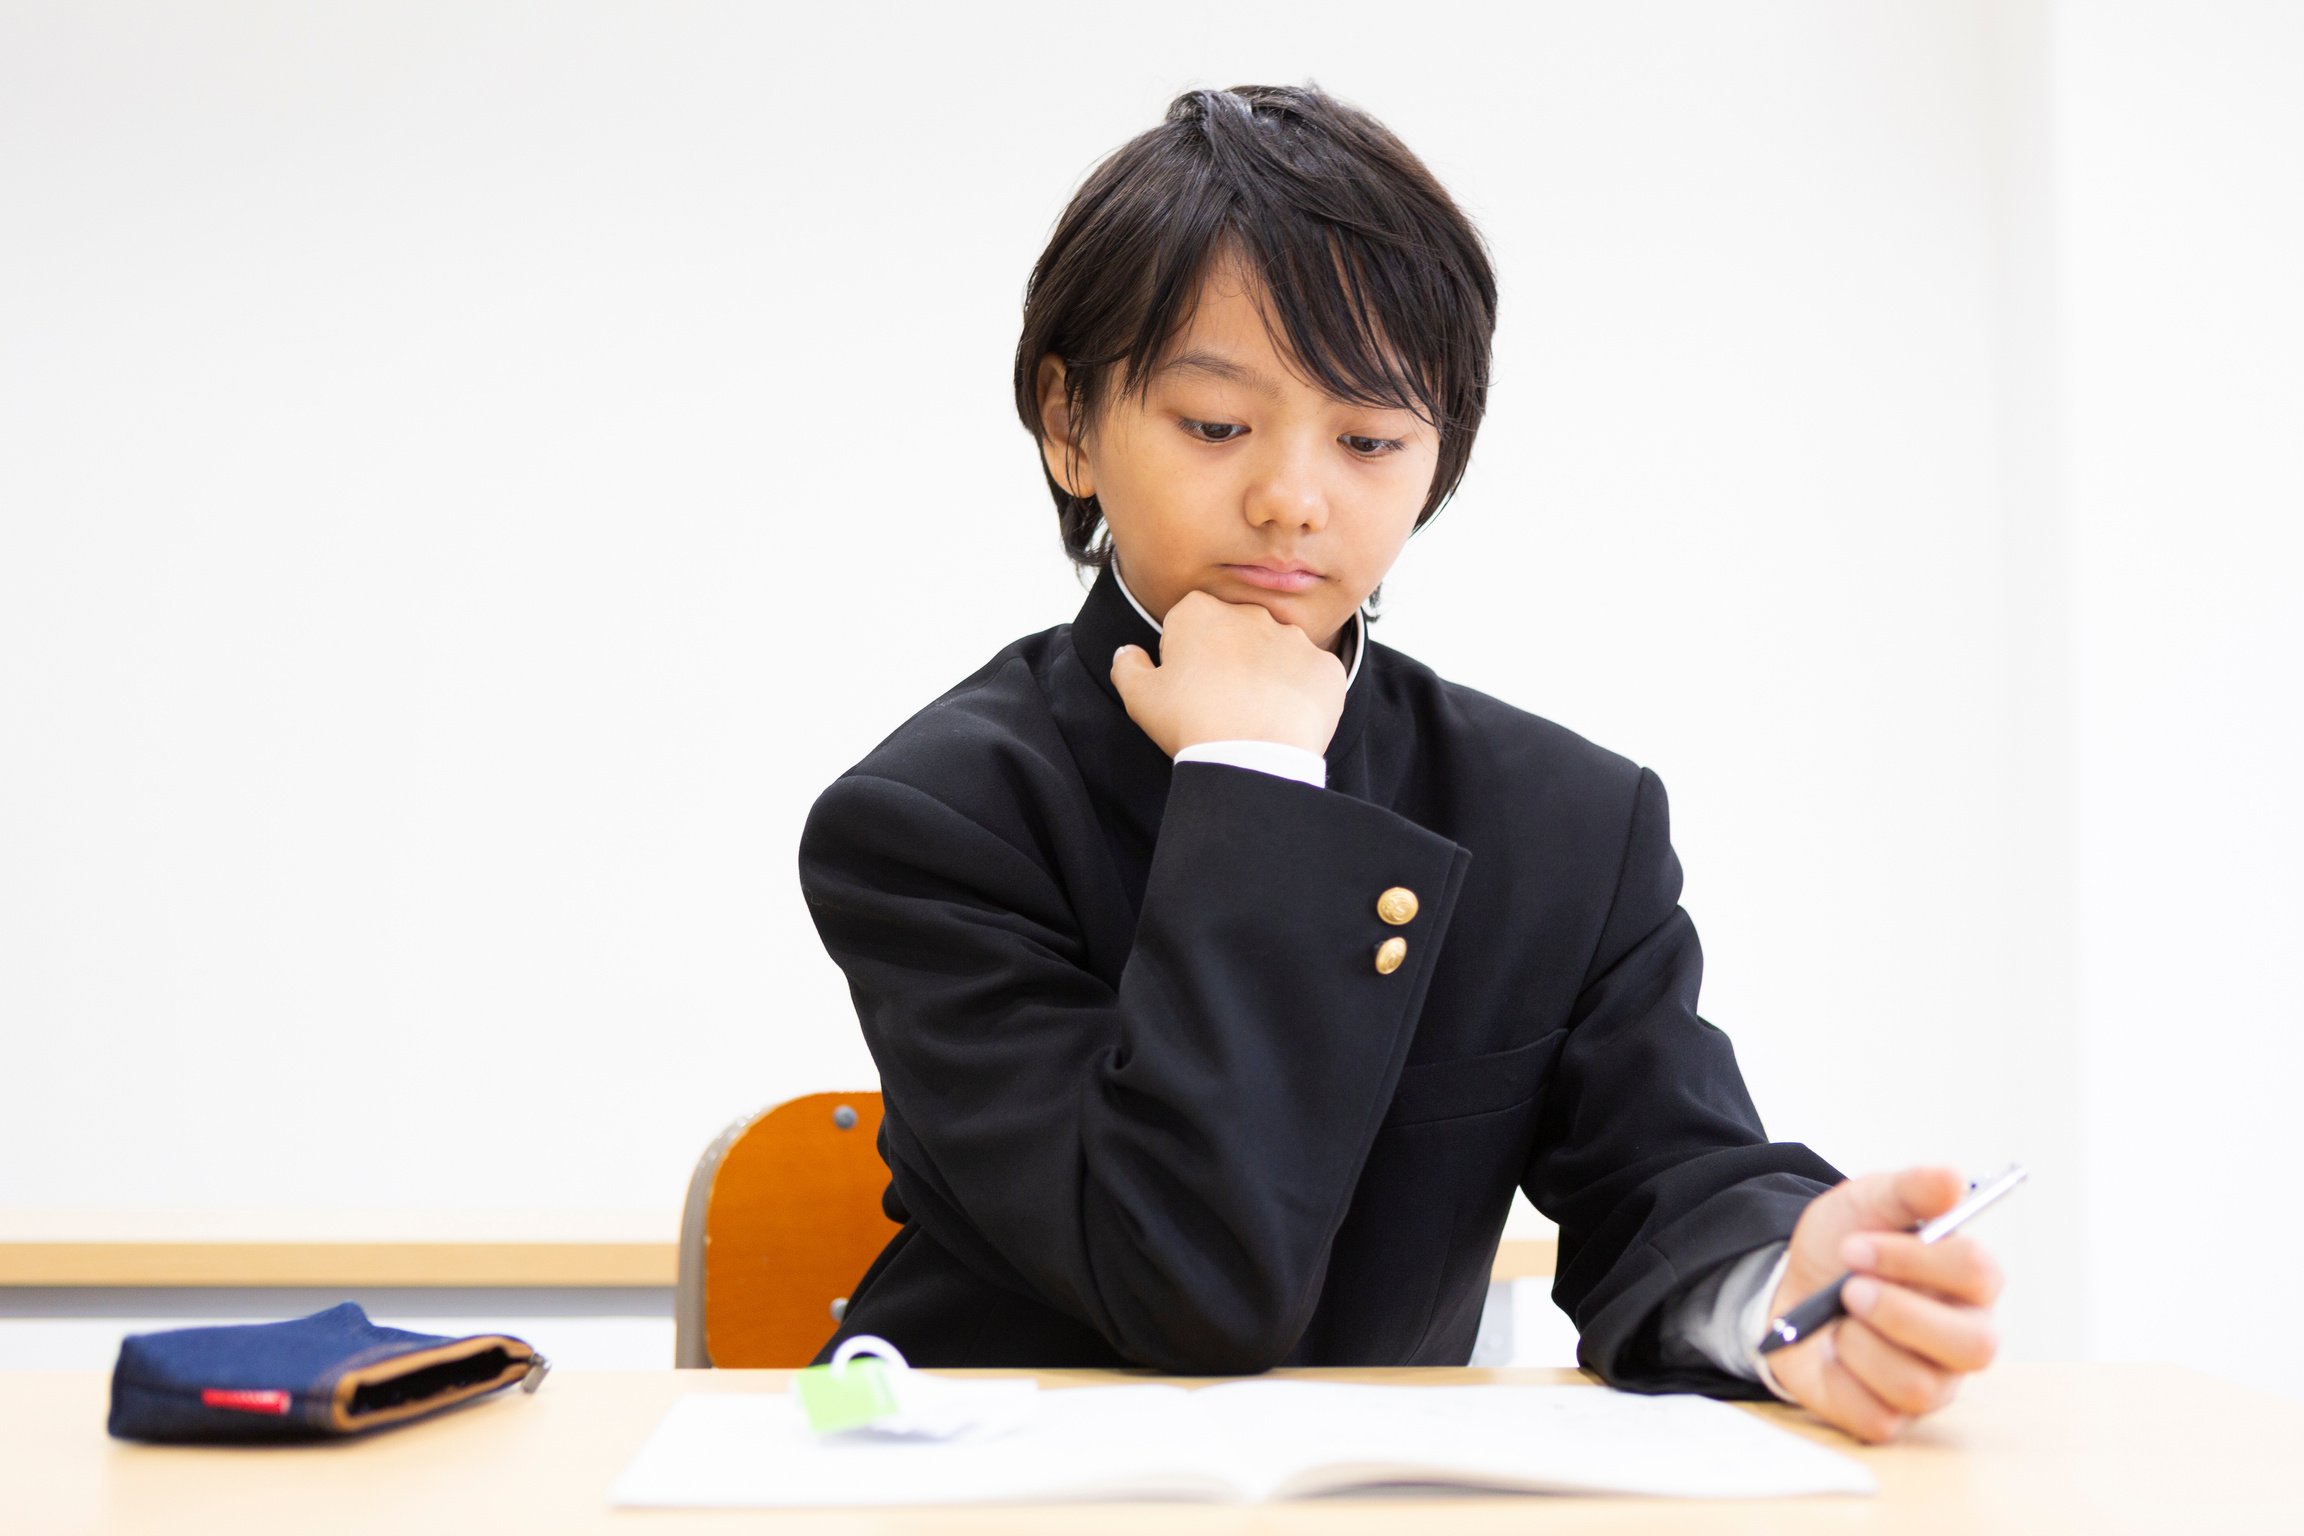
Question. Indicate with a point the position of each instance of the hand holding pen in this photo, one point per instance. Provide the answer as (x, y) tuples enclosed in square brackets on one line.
[(1828, 1303), (1917, 1304)]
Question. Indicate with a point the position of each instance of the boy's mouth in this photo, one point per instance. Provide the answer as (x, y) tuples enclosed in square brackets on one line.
[(1290, 577)]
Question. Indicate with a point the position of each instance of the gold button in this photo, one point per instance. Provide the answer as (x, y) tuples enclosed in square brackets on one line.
[(1389, 954), (1397, 905)]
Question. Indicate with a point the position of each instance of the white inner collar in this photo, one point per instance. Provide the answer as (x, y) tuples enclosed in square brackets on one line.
[(1359, 619)]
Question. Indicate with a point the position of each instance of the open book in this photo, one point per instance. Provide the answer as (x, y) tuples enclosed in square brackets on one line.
[(1239, 1442)]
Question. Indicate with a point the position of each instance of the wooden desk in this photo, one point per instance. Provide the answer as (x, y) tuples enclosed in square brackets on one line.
[(2027, 1448), (349, 1249), (357, 1249)]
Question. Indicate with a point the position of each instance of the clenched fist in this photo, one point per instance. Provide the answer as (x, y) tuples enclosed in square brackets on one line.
[(1231, 672)]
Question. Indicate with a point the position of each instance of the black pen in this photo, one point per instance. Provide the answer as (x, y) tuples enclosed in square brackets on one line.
[(1824, 1306)]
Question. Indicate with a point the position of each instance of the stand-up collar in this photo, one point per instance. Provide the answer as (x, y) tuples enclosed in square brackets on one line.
[(1111, 618)]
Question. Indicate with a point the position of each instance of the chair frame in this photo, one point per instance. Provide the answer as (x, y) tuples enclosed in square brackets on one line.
[(691, 1350)]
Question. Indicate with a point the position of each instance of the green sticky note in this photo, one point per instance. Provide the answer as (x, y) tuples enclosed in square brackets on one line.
[(845, 1396)]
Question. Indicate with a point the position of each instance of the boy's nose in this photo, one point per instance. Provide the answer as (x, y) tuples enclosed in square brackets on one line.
[(1288, 493)]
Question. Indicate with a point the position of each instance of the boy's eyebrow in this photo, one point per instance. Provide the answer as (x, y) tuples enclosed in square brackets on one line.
[(1217, 365), (1222, 367)]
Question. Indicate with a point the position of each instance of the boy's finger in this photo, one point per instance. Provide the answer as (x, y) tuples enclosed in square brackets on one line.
[(1955, 1337), (1904, 1199), (1128, 664), (1890, 1372), (1957, 1268), (1843, 1398)]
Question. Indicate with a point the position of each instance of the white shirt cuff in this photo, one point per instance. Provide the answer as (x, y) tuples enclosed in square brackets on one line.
[(1275, 757), (1752, 1323), (1724, 1318)]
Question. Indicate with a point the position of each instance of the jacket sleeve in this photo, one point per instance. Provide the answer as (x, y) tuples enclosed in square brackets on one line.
[(1167, 1159), (1649, 1153)]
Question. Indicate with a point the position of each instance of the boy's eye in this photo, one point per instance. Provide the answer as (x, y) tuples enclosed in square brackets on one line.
[(1226, 431)]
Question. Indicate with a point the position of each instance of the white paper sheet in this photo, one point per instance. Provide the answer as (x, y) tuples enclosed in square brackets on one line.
[(1240, 1441)]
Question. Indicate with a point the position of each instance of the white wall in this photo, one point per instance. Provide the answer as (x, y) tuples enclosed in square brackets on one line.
[(470, 477), (2181, 132)]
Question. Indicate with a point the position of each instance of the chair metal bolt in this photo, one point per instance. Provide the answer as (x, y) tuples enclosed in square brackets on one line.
[(844, 1117), (839, 1308)]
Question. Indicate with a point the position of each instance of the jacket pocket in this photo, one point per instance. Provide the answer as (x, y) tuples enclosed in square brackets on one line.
[(1470, 1085)]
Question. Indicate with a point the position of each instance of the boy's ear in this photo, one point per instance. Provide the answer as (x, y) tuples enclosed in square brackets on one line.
[(1059, 443)]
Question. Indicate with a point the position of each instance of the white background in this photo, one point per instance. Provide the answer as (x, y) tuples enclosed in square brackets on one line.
[(470, 475)]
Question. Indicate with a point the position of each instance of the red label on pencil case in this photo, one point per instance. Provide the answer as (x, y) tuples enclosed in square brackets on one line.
[(251, 1400)]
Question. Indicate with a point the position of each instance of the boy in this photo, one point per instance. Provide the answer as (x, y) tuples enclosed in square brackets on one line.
[(1226, 971)]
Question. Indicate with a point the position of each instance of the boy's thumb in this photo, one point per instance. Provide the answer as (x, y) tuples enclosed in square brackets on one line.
[(1128, 664)]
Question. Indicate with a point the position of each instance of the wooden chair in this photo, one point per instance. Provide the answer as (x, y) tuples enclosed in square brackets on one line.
[(783, 1216)]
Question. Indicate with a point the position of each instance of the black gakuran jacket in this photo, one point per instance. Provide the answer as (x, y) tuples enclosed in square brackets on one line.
[(1151, 1098)]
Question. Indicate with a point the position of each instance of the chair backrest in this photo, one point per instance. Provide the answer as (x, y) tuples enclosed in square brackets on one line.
[(783, 1216)]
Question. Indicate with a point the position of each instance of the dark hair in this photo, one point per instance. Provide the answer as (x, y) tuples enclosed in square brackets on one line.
[(1356, 243)]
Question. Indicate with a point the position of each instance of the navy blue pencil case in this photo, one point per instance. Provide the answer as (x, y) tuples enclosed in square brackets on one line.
[(333, 1373)]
